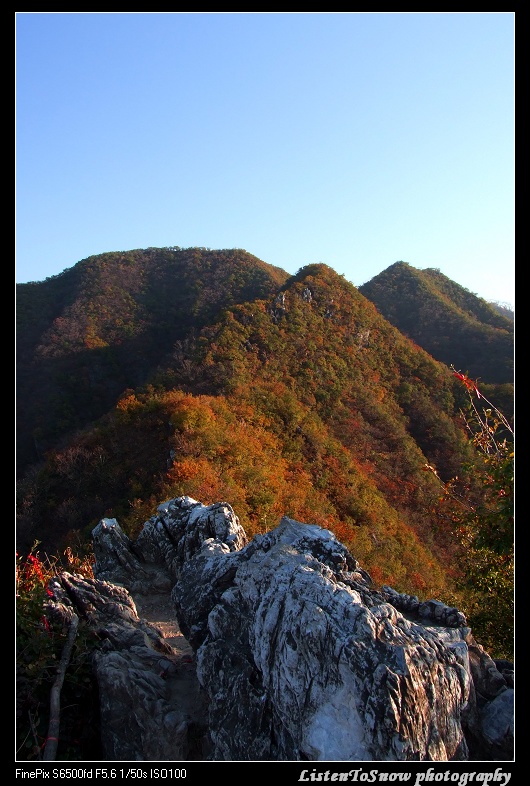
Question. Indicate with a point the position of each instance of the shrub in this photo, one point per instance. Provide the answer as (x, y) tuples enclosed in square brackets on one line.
[(39, 645), (479, 506)]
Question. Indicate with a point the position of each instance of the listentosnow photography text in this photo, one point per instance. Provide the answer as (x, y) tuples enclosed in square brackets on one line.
[(371, 776)]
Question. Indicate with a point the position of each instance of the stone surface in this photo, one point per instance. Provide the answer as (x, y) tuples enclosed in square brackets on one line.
[(296, 655), (151, 705)]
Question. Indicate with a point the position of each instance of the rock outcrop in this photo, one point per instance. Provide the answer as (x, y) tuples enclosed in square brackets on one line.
[(298, 657)]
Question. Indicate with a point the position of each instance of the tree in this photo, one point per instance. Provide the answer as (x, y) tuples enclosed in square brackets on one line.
[(479, 506)]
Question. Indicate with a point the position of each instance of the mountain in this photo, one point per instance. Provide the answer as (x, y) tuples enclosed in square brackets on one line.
[(504, 309), (159, 373), (149, 379), (105, 324), (449, 322)]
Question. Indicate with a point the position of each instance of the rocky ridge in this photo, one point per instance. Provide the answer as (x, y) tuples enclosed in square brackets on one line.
[(284, 650)]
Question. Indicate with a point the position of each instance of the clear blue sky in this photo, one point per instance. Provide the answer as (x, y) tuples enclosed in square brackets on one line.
[(353, 139)]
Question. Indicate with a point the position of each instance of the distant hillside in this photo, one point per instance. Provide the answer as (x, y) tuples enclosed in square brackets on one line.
[(158, 373), (105, 324), (449, 322), (504, 310), (164, 372)]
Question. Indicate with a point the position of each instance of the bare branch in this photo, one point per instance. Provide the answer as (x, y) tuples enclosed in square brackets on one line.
[(52, 740)]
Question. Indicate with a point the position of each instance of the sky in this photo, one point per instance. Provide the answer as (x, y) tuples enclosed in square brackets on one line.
[(352, 139)]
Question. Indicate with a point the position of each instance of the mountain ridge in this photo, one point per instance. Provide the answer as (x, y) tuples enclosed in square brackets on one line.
[(447, 320), (152, 379), (169, 372)]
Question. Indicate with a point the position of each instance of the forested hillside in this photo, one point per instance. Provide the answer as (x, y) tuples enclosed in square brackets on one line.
[(449, 322), (104, 325), (147, 375)]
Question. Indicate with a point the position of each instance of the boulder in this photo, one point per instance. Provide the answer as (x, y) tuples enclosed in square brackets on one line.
[(298, 656)]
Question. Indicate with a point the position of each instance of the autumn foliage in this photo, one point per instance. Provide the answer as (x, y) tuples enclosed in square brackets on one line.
[(39, 643), (149, 374), (478, 510)]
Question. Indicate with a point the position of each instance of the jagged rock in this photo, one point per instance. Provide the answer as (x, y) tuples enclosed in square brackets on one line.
[(298, 656), (506, 669), (180, 528), (428, 610), (497, 724), (137, 675), (114, 555), (298, 667)]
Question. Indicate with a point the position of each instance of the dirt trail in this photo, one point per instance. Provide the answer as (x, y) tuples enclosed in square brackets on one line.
[(158, 610), (183, 689)]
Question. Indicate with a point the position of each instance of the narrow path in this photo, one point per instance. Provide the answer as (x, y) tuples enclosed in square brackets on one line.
[(183, 689), (158, 610)]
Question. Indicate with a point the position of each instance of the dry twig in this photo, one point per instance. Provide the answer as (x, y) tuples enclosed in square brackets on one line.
[(52, 740)]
